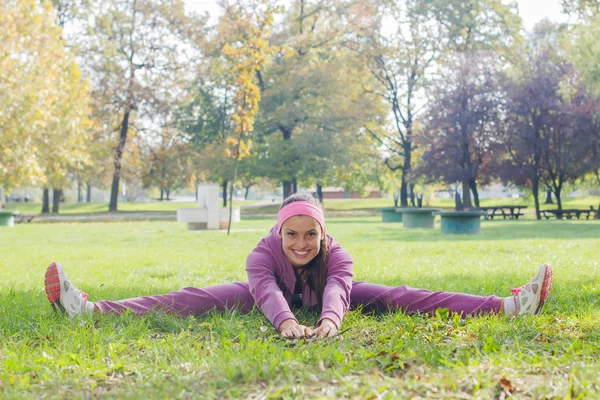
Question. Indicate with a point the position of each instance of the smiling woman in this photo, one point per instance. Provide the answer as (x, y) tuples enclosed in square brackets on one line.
[(299, 265)]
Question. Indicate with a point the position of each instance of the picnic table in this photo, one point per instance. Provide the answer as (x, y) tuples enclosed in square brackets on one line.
[(461, 222), (418, 217), (568, 213), (510, 212), (389, 214)]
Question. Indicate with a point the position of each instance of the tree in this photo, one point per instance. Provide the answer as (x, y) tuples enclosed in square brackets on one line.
[(404, 62), (136, 52), (301, 88), (549, 119), (460, 139), (44, 99), (584, 51), (566, 155), (246, 52), (399, 63), (168, 163), (583, 9)]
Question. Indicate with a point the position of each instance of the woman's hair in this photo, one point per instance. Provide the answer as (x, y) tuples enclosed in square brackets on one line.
[(316, 269)]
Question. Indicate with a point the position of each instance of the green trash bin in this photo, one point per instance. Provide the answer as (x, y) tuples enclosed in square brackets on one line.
[(7, 218)]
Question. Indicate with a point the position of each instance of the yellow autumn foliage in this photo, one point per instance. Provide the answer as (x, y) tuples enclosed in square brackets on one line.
[(246, 52), (43, 100)]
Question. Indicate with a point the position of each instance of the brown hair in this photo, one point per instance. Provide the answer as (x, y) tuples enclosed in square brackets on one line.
[(316, 269)]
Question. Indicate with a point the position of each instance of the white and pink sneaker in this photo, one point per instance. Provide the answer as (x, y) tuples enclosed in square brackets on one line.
[(63, 295), (530, 298)]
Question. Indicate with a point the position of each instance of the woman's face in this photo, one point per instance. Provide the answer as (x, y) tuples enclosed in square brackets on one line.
[(301, 239)]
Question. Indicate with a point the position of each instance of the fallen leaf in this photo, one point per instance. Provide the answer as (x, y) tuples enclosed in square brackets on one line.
[(321, 366), (506, 384)]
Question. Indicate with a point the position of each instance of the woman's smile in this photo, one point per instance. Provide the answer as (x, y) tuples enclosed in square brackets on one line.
[(301, 239)]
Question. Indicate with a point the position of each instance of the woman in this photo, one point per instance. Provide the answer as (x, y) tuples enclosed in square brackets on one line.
[(296, 265)]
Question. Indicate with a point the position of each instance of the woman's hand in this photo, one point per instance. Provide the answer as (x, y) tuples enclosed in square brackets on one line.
[(326, 329), (292, 329)]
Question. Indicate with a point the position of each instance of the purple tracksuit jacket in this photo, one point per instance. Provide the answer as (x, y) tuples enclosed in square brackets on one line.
[(271, 280)]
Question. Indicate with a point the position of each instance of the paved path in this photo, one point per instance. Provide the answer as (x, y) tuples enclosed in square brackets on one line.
[(249, 212), (109, 216)]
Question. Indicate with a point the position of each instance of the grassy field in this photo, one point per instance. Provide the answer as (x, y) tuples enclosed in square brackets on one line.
[(256, 207), (388, 355)]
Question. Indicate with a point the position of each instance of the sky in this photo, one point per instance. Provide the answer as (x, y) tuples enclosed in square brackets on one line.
[(531, 11)]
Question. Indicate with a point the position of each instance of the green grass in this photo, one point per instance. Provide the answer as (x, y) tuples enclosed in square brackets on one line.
[(125, 207), (349, 207), (388, 355)]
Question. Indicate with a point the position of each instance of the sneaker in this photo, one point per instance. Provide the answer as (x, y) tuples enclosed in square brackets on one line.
[(530, 298), (62, 294)]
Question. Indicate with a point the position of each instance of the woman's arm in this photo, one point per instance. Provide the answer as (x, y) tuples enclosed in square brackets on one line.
[(336, 296), (268, 296)]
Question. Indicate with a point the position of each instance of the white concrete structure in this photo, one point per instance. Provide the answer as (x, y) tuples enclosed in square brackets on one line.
[(208, 215)]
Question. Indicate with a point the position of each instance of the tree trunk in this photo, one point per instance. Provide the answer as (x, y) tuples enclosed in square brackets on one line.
[(162, 191), (225, 183), (168, 191), (88, 196), (288, 189), (406, 147), (320, 192), (46, 201), (294, 185), (246, 192), (548, 197), (56, 195), (287, 185), (412, 195), (466, 191), (536, 197), (79, 189), (473, 186), (597, 212), (457, 202), (420, 200), (1, 198), (114, 191)]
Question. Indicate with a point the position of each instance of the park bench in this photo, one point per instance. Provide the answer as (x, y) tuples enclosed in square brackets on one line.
[(24, 218), (208, 214), (569, 213), (510, 212)]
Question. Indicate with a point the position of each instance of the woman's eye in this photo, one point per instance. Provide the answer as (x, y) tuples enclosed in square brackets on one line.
[(291, 234), (312, 234)]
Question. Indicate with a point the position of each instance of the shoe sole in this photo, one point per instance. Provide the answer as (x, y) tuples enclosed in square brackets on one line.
[(52, 286), (546, 286)]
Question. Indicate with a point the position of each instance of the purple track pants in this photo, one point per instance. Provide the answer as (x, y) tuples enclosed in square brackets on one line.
[(372, 297)]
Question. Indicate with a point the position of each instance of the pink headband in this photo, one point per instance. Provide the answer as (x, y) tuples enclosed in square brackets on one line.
[(300, 208)]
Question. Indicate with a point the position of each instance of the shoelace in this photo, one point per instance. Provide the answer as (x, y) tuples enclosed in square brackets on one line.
[(85, 299), (516, 291)]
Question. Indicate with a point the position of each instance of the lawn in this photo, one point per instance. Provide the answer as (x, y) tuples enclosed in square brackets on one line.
[(388, 355), (253, 207)]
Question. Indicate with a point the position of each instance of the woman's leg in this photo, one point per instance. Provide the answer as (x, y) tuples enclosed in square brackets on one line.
[(64, 296), (374, 297), (187, 301), (528, 299)]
